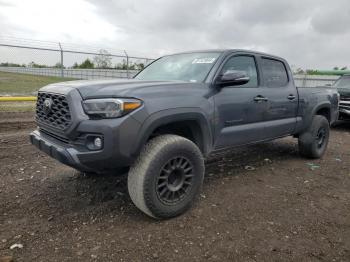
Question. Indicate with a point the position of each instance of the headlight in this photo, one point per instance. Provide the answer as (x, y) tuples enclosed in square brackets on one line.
[(110, 107)]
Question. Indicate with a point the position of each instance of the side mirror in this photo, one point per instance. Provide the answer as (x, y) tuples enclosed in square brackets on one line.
[(232, 78)]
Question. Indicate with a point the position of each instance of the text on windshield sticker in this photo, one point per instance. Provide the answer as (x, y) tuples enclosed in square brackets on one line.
[(208, 60)]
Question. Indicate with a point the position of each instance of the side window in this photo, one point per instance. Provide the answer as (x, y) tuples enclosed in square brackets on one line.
[(274, 73), (244, 64)]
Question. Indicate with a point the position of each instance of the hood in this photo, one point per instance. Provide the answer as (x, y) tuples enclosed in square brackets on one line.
[(116, 87)]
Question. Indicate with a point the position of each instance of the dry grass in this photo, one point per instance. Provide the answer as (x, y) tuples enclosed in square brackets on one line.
[(24, 106)]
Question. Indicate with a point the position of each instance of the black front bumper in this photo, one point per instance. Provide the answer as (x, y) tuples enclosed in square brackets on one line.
[(63, 154), (119, 136), (344, 115)]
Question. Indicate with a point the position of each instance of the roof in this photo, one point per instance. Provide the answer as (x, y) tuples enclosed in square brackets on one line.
[(228, 50)]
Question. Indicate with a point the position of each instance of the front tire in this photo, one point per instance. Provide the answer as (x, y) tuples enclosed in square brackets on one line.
[(166, 177), (313, 143)]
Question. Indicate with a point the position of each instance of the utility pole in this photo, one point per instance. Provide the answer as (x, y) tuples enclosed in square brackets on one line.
[(62, 72), (127, 64)]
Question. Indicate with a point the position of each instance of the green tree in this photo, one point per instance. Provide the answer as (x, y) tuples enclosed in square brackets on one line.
[(35, 65), (87, 64), (299, 71), (132, 66), (140, 66), (7, 64), (58, 65), (103, 59), (122, 65)]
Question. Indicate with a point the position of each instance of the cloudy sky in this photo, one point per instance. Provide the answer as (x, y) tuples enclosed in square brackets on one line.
[(309, 33)]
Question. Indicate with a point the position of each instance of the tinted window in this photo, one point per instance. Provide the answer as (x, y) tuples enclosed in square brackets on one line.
[(274, 73), (245, 64)]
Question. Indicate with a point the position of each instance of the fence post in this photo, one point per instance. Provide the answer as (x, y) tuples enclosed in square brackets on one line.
[(304, 80), (127, 64), (62, 72)]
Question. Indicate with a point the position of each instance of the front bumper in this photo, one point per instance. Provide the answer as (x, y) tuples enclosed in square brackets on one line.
[(65, 155), (119, 136), (70, 145), (344, 114)]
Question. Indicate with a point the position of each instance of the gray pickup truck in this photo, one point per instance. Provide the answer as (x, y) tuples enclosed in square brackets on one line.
[(164, 122), (343, 87)]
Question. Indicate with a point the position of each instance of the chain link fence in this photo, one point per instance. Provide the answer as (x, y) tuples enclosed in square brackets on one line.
[(58, 59), (26, 65), (71, 72)]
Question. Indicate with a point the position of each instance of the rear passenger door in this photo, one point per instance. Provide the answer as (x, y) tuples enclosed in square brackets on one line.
[(282, 97)]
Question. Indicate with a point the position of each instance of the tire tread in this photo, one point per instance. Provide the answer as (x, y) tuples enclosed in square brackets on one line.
[(307, 139), (138, 171)]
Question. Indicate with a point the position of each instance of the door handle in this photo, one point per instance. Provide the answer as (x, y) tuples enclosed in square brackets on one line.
[(291, 97), (260, 98)]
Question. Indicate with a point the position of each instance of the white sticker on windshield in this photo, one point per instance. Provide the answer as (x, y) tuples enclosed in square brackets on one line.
[(208, 60)]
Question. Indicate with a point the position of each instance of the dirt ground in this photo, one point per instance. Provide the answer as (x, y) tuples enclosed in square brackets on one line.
[(259, 203)]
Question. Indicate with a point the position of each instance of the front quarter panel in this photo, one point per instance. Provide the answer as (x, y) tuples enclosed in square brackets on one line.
[(180, 103)]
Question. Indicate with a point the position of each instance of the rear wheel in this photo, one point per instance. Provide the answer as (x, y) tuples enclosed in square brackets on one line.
[(314, 141), (166, 177)]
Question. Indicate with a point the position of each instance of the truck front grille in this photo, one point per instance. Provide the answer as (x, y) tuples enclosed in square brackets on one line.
[(53, 110), (344, 105), (344, 97)]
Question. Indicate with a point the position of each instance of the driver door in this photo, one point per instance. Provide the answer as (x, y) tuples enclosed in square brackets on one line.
[(239, 114)]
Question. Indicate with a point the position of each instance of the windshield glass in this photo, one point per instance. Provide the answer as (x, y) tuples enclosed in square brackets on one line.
[(343, 82), (192, 67)]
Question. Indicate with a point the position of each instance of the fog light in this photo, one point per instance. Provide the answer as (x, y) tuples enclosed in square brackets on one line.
[(94, 142), (98, 142)]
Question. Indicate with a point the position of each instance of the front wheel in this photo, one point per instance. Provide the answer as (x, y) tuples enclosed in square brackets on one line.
[(166, 177), (313, 142)]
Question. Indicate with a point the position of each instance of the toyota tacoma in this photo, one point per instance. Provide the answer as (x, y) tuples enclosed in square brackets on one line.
[(343, 87), (163, 123)]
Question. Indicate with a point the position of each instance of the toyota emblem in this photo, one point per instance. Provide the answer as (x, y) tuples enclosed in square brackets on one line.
[(47, 106)]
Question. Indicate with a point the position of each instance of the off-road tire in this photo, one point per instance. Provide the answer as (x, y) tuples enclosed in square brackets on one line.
[(159, 155), (313, 142)]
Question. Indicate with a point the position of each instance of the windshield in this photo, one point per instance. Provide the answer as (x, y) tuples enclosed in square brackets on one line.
[(192, 67), (343, 82)]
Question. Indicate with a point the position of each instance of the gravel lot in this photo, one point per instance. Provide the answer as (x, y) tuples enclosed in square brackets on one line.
[(259, 203)]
